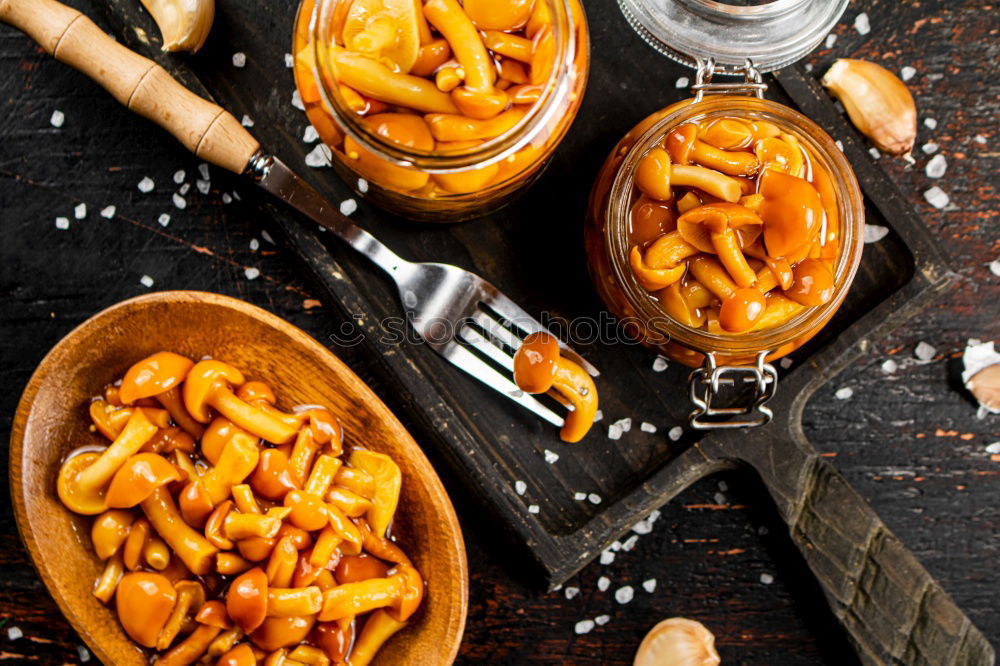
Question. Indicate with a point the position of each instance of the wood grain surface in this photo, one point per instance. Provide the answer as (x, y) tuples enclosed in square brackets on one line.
[(909, 441)]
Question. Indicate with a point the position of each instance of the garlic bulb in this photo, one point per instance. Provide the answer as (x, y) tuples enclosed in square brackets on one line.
[(677, 641), (184, 24), (878, 103)]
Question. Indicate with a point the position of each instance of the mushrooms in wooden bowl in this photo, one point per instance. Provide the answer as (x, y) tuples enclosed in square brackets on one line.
[(239, 496)]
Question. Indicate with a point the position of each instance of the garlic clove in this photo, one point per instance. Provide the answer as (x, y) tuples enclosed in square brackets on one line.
[(985, 386), (677, 641), (184, 24), (878, 103)]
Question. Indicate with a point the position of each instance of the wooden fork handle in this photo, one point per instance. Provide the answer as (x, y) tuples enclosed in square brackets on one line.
[(206, 129)]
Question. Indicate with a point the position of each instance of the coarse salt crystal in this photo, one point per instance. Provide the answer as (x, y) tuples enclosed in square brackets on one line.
[(204, 172), (831, 39), (980, 138), (62, 223), (348, 206), (108, 212), (930, 148), (630, 542), (654, 515), (643, 527), (57, 119), (571, 592), (179, 201), (995, 267), (603, 583), (649, 585), (598, 415), (289, 60), (520, 487), (615, 545), (239, 59), (766, 578), (607, 557), (659, 364), (809, 67), (80, 211), (146, 185), (226, 199), (362, 185), (163, 219), (184, 189), (993, 448), (785, 363), (14, 633), (252, 273), (254, 244), (247, 121), (844, 393), (907, 73), (875, 232), (874, 152), (584, 626), (146, 281), (930, 123), (297, 101), (889, 366), (924, 351), (625, 423), (719, 498), (594, 498), (319, 156), (602, 619), (579, 497), (551, 456), (624, 594), (236, 195), (533, 508), (936, 197), (266, 236), (723, 486), (83, 653), (839, 144), (682, 82), (203, 185), (310, 134), (936, 166), (645, 426), (179, 176), (675, 433), (862, 23), (614, 431)]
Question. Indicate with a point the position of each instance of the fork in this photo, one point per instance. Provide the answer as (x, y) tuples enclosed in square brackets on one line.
[(458, 314)]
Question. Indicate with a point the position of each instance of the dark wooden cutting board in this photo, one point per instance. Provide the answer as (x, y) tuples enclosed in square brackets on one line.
[(533, 251)]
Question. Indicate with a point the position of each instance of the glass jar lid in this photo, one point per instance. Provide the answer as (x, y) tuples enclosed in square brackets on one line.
[(772, 33)]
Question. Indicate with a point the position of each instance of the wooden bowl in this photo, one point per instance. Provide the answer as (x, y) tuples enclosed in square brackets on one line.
[(52, 419)]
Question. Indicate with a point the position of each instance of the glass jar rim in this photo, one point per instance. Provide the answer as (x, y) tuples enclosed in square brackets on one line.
[(555, 89), (850, 209)]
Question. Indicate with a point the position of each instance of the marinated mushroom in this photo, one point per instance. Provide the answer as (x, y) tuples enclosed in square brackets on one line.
[(138, 478), (153, 375), (144, 602)]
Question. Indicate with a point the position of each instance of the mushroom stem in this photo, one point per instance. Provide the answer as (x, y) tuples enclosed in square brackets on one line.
[(377, 630), (250, 418), (192, 548), (239, 458), (293, 601), (137, 432), (191, 648)]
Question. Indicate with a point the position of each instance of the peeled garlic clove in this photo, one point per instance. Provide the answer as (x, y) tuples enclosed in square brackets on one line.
[(184, 24), (985, 386), (878, 103), (677, 641), (981, 375)]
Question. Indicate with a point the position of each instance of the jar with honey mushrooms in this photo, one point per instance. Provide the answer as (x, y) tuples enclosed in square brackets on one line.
[(725, 230), (440, 110)]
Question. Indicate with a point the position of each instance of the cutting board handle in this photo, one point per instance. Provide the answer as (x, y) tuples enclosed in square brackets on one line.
[(206, 129), (893, 610)]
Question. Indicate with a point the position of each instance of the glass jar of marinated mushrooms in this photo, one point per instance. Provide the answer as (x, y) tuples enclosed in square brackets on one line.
[(440, 110), (725, 231)]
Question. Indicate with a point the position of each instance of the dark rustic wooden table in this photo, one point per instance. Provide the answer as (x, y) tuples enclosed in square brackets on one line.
[(908, 440)]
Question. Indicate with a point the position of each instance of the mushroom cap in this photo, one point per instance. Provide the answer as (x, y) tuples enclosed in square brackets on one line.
[(241, 655), (153, 375), (144, 602), (202, 381), (216, 436), (792, 212), (279, 632), (246, 599), (109, 419), (194, 503), (813, 283), (109, 531), (332, 639), (481, 105), (535, 362), (354, 568), (652, 175), (254, 392), (213, 613), (413, 592), (698, 224), (88, 502), (308, 511), (213, 527), (680, 142), (272, 478), (138, 478), (388, 480)]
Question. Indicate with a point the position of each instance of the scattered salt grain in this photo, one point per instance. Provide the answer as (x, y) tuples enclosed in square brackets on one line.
[(625, 424), (644, 526), (226, 199), (266, 236), (204, 172), (649, 585), (520, 487), (179, 201), (239, 60), (624, 594), (289, 60), (924, 351), (14, 633), (675, 433), (936, 197), (936, 166), (682, 82), (719, 498), (614, 431), (875, 232), (603, 583), (980, 138), (252, 273), (179, 176), (319, 156), (594, 498), (80, 211), (310, 134), (348, 206), (163, 219), (766, 578), (203, 185), (659, 364), (584, 626), (571, 592), (723, 486), (146, 185), (840, 145), (533, 508), (254, 244), (615, 545), (607, 557), (551, 456), (831, 39), (247, 121), (809, 67), (57, 119), (874, 152), (645, 426), (785, 363), (995, 267), (993, 448), (108, 212), (236, 195), (930, 123), (844, 393), (907, 73), (889, 366), (930, 148), (83, 653), (184, 189), (862, 24), (602, 619), (146, 281), (62, 223), (598, 415), (630, 542), (579, 497), (362, 185), (297, 101)]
